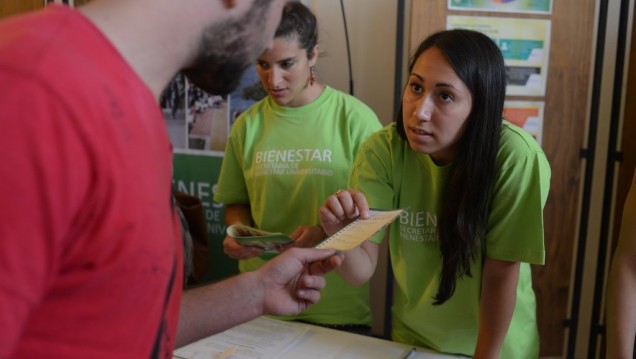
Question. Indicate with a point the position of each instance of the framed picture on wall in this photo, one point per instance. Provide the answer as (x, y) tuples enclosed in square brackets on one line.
[(524, 44), (527, 115), (515, 6)]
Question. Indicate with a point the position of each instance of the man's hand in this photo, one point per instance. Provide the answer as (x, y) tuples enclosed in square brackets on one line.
[(292, 281)]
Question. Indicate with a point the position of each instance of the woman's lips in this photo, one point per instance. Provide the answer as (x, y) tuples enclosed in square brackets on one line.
[(420, 132), (277, 92)]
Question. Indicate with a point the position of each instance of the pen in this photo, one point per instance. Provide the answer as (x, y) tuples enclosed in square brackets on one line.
[(409, 354)]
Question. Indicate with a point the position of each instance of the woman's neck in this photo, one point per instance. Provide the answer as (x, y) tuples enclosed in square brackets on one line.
[(311, 93)]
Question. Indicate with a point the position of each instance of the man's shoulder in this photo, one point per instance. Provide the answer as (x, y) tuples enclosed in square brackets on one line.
[(35, 36)]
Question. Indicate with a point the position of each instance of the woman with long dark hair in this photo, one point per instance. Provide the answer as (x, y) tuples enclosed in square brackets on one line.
[(473, 188)]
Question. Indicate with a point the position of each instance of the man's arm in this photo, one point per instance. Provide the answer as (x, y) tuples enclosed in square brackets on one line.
[(621, 286), (286, 285)]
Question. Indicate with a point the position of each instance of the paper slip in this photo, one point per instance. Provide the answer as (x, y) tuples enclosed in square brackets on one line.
[(359, 230)]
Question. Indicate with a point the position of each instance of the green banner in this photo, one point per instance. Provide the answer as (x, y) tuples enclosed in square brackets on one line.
[(197, 174)]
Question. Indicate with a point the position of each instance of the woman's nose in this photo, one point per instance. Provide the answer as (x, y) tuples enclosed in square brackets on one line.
[(275, 77), (424, 109)]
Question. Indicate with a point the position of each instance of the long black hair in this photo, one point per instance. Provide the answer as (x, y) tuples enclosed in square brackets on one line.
[(478, 62)]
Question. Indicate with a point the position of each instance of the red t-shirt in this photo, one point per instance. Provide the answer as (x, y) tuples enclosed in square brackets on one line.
[(89, 240)]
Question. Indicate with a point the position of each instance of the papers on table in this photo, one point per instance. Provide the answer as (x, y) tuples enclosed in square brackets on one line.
[(259, 338), (265, 338)]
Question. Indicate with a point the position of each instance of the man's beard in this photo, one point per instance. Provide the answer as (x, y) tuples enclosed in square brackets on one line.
[(217, 77), (227, 49)]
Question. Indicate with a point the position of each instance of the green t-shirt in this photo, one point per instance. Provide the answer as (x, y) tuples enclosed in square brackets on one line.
[(284, 162), (392, 175)]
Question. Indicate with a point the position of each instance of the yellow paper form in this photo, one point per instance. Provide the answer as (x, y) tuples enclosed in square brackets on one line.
[(359, 230)]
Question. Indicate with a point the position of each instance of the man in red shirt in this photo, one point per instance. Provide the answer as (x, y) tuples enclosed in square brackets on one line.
[(90, 246)]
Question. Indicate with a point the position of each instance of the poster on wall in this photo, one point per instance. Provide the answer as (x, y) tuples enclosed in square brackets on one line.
[(515, 6), (525, 45), (196, 175), (199, 122), (527, 115), (199, 125)]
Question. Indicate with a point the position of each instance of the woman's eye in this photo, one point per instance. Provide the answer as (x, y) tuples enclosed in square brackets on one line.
[(415, 88), (286, 64), (446, 97), (262, 65)]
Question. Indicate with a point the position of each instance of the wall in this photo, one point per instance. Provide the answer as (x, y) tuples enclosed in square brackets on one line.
[(372, 37), (12, 7)]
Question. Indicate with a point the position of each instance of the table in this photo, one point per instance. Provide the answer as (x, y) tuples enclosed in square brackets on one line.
[(266, 338)]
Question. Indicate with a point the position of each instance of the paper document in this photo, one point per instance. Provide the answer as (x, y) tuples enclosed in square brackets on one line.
[(359, 230), (259, 338)]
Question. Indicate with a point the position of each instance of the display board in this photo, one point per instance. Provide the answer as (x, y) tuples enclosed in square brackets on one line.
[(199, 125)]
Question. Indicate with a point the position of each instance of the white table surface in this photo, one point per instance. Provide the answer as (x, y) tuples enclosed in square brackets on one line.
[(254, 340)]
